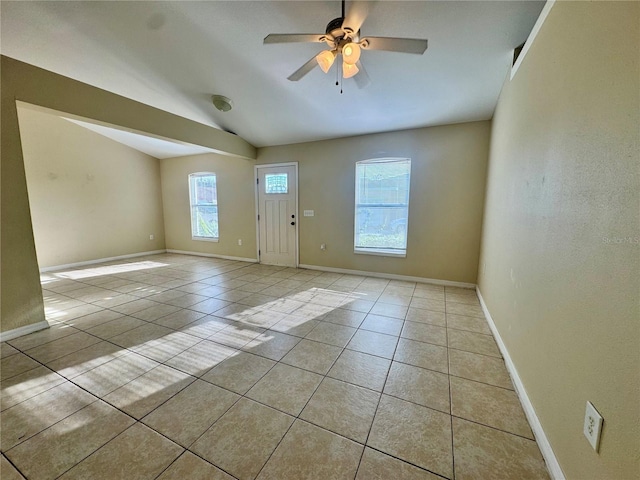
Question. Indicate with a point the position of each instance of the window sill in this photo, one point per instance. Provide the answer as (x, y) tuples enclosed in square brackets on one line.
[(205, 239), (381, 252)]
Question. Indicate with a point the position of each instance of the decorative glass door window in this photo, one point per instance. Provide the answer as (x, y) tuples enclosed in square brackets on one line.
[(203, 197), (382, 206), (276, 183)]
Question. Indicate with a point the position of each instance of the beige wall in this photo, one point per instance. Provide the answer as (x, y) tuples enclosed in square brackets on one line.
[(90, 197), (236, 204), (448, 171), (563, 178), (21, 294)]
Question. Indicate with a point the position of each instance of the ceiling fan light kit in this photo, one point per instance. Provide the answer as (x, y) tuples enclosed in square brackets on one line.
[(343, 39)]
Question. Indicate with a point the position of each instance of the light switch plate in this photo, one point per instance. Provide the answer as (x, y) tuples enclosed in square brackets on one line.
[(309, 213), (592, 426)]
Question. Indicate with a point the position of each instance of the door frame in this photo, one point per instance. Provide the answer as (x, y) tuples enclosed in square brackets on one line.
[(297, 200)]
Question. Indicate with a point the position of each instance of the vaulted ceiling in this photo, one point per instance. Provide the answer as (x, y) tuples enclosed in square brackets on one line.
[(175, 55)]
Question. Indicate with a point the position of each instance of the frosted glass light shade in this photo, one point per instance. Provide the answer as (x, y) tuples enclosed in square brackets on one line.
[(325, 59), (349, 71), (351, 53)]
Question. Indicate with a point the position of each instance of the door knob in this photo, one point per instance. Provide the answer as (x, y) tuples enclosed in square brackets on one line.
[(293, 223)]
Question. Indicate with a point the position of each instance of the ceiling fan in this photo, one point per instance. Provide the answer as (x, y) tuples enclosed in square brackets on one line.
[(342, 35)]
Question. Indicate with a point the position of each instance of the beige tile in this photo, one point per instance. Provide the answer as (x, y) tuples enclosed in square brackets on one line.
[(492, 406), (7, 350), (482, 452), (325, 332), (201, 358), (426, 316), (243, 451), (395, 299), (206, 326), (373, 343), (94, 319), (86, 359), (61, 347), (419, 385), (111, 375), (464, 309), (425, 332), (191, 467), (209, 306), (481, 368), (420, 354), (67, 314), (144, 334), (22, 421), (138, 452), (344, 317), (295, 325), (237, 334), (469, 298), (361, 369), (388, 310), (378, 466), (285, 388), (41, 337), (342, 408), (132, 307), (364, 306), (472, 342), (149, 390), (314, 356), (307, 451), (116, 327), (380, 324), (167, 347), (271, 345), (413, 433), (58, 448), (191, 412), (265, 318), (239, 372), (8, 471), (429, 303), (16, 365), (26, 385), (472, 324), (179, 319)]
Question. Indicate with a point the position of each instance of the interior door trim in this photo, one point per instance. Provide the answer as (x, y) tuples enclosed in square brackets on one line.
[(255, 186)]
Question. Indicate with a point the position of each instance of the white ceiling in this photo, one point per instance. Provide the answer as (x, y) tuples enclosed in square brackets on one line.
[(175, 55), (156, 147)]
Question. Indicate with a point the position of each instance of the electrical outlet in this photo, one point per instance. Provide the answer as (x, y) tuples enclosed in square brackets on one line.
[(592, 426), (240, 241), (323, 246), (151, 237)]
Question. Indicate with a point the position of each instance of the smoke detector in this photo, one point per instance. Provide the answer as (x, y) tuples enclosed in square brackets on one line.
[(222, 103)]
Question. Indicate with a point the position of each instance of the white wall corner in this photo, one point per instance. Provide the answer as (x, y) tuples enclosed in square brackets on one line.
[(541, 438), (20, 331)]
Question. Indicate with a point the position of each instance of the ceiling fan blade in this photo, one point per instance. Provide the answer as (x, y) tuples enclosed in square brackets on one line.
[(362, 77), (404, 45), (303, 70), (294, 38), (357, 14)]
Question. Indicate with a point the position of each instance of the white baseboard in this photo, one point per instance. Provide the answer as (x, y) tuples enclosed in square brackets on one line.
[(543, 443), (213, 255), (100, 260), (20, 331), (391, 276)]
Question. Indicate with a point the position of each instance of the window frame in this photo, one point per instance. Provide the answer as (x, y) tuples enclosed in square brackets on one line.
[(380, 251), (193, 205)]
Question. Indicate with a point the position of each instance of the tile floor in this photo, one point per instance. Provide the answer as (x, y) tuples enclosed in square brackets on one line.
[(173, 366)]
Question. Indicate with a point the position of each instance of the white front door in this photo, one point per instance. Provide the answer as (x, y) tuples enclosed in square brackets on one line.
[(277, 214)]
